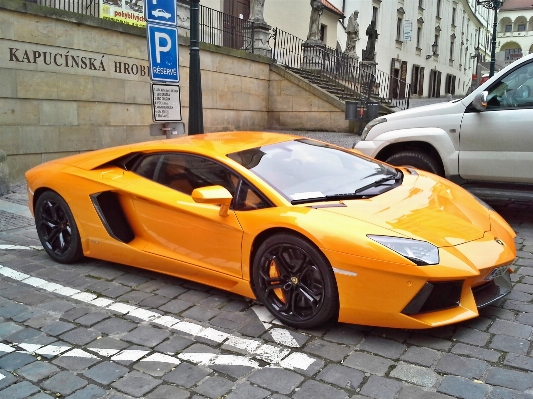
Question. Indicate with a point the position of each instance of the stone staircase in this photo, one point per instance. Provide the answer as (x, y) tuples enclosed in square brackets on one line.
[(337, 89)]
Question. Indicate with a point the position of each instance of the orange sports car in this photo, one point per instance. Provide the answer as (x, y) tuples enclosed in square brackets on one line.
[(313, 231)]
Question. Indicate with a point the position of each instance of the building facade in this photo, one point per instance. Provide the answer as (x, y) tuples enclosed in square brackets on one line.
[(292, 16), (515, 31), (434, 45)]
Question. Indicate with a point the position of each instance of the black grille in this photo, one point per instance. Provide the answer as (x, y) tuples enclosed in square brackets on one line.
[(108, 207), (434, 296)]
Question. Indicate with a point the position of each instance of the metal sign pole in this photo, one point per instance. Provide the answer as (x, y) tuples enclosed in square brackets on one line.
[(196, 116)]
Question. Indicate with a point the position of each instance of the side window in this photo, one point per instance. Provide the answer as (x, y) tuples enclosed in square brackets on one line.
[(248, 198), (187, 172), (148, 166), (514, 90)]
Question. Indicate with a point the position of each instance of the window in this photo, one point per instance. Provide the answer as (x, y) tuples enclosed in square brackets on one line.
[(452, 44), (185, 173), (418, 35), (454, 10), (421, 3), (323, 33), (514, 90), (438, 8), (521, 27), (512, 55), (306, 170), (375, 14), (508, 28), (399, 29)]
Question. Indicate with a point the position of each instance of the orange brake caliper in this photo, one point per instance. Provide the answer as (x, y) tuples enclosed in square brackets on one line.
[(273, 273)]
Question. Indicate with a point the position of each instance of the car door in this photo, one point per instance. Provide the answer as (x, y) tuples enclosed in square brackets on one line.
[(497, 144), (173, 224)]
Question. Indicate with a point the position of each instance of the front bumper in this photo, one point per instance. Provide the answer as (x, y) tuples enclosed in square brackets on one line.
[(378, 293), (436, 296)]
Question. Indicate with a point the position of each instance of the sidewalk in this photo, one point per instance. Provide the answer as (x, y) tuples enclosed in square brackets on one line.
[(14, 212)]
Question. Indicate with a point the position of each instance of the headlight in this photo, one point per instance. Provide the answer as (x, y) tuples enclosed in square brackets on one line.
[(422, 253), (370, 125)]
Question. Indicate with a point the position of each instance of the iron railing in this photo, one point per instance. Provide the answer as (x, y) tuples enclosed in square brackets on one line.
[(85, 7), (225, 30), (339, 74)]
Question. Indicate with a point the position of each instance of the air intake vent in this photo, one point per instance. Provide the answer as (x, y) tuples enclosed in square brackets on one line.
[(112, 215), (435, 296)]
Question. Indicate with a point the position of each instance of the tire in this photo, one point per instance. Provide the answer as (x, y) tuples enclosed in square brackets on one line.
[(295, 281), (416, 159), (57, 228)]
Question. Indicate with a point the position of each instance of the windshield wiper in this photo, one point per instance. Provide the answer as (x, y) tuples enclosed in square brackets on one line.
[(355, 195), (331, 197), (379, 182)]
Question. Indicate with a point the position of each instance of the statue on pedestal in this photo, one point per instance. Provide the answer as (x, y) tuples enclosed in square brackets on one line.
[(256, 11), (352, 34), (372, 33), (314, 23)]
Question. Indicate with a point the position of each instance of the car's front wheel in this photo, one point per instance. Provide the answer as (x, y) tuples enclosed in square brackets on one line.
[(57, 228), (295, 282), (416, 159)]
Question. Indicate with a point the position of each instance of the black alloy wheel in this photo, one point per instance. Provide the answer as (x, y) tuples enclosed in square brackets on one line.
[(295, 282), (57, 229)]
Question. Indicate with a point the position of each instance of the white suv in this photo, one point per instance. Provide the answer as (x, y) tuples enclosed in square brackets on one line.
[(486, 137)]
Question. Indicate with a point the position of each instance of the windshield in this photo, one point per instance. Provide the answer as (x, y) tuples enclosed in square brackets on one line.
[(305, 170)]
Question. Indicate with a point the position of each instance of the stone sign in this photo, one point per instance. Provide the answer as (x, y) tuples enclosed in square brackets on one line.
[(20, 55)]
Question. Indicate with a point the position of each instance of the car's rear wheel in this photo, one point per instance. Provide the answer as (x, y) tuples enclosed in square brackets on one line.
[(57, 228), (295, 282), (416, 159)]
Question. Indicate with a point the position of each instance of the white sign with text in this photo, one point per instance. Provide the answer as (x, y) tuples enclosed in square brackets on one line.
[(166, 103)]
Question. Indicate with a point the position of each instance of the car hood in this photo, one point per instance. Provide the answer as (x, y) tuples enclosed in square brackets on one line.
[(425, 208), (442, 108)]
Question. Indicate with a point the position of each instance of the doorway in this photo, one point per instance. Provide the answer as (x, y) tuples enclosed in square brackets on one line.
[(434, 83), (236, 14)]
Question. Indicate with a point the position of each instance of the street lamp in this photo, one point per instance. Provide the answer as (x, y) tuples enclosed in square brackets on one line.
[(434, 50), (196, 116), (492, 5)]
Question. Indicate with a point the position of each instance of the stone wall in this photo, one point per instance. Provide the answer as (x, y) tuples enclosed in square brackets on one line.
[(72, 83), (295, 104)]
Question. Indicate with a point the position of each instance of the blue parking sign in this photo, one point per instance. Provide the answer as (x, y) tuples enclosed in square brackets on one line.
[(161, 11), (163, 53)]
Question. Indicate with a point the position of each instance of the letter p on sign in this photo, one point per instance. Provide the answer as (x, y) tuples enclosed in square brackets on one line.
[(161, 38)]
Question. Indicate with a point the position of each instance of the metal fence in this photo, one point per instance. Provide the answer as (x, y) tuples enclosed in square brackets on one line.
[(85, 7), (336, 71), (342, 75), (225, 30)]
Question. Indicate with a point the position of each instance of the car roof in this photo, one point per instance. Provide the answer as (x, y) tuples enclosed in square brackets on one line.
[(215, 145)]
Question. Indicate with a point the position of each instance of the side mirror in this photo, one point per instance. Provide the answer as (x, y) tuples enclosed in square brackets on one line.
[(216, 195), (480, 101)]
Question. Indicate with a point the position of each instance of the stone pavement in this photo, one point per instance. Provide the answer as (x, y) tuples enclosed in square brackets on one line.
[(103, 330)]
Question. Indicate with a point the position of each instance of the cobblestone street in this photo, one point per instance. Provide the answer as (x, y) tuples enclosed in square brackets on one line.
[(102, 330)]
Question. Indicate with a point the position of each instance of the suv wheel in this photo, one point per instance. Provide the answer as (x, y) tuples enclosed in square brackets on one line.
[(416, 159)]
